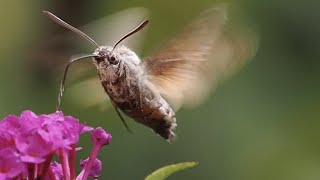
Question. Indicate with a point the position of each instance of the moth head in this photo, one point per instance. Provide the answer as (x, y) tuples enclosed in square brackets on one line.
[(105, 56), (113, 56)]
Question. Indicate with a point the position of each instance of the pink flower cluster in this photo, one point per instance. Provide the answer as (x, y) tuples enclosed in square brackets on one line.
[(28, 144)]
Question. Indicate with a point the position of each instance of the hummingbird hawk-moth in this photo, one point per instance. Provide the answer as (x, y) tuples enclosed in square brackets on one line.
[(182, 73)]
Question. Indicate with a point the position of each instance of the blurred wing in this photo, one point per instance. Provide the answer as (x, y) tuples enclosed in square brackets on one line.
[(89, 93), (193, 62)]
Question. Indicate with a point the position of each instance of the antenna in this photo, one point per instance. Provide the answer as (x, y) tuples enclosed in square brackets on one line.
[(138, 28), (68, 26)]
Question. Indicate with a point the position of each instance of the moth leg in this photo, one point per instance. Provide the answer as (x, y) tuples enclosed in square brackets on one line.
[(140, 97), (122, 119)]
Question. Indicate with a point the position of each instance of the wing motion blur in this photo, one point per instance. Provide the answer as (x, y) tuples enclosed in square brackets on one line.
[(194, 61)]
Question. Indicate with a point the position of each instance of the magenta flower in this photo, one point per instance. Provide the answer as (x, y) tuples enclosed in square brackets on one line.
[(33, 148), (10, 164), (55, 171), (95, 169), (6, 140), (29, 142), (99, 138)]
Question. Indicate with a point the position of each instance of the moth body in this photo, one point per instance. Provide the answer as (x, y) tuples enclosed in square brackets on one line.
[(122, 77)]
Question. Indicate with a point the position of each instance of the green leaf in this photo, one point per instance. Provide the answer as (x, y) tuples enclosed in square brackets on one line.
[(166, 171)]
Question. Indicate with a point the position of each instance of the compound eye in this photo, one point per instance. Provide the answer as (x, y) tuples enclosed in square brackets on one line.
[(113, 60)]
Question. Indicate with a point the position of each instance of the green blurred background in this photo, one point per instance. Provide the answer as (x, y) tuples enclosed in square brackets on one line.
[(261, 124)]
